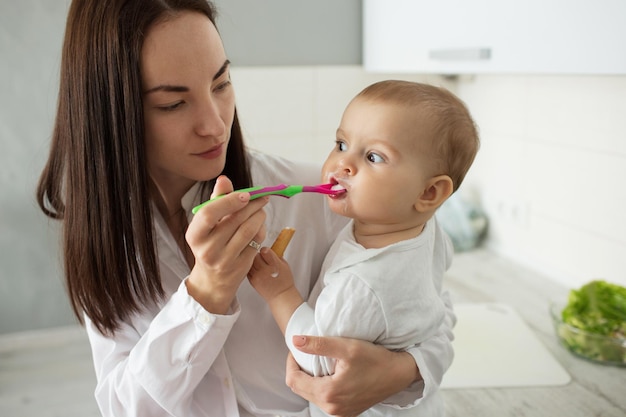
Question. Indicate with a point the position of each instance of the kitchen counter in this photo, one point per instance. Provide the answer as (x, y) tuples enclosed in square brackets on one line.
[(49, 372), (594, 390)]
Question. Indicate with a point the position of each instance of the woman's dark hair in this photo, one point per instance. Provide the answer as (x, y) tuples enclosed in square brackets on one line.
[(96, 179)]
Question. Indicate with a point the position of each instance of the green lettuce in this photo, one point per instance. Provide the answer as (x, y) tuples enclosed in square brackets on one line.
[(599, 308)]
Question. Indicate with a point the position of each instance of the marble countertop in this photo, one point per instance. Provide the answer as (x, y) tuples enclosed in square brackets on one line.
[(594, 389)]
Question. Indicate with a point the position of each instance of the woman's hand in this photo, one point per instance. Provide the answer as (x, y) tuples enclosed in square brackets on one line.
[(219, 237), (365, 374)]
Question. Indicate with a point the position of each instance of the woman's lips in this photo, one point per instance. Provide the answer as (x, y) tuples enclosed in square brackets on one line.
[(214, 152)]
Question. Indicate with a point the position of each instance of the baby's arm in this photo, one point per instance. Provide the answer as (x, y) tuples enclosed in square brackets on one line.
[(271, 277)]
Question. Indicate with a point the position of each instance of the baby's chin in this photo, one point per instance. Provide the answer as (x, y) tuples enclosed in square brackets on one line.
[(340, 207)]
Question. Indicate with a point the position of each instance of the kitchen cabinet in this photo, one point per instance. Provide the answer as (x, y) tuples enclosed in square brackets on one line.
[(291, 33), (495, 36)]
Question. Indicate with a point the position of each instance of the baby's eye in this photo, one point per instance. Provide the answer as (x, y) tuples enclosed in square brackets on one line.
[(341, 145), (375, 158)]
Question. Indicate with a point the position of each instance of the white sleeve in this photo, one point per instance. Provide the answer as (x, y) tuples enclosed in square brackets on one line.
[(156, 373), (359, 315), (433, 358)]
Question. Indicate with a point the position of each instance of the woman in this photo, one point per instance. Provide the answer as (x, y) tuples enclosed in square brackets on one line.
[(146, 128)]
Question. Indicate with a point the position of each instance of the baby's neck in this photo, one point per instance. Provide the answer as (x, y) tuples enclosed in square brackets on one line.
[(378, 236)]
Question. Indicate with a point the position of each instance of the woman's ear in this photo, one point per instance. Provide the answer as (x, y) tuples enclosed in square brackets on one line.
[(437, 190)]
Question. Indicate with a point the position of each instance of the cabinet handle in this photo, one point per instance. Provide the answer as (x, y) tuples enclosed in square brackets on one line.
[(460, 54)]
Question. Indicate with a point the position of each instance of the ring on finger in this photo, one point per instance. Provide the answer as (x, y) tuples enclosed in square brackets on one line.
[(256, 245)]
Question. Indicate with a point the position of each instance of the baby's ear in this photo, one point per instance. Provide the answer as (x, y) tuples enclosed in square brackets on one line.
[(437, 190)]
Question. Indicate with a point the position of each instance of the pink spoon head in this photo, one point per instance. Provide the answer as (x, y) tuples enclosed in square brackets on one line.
[(330, 189)]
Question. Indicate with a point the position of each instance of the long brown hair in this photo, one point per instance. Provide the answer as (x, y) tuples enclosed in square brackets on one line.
[(96, 178)]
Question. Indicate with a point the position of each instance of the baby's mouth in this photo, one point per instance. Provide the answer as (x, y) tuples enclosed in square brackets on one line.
[(336, 186)]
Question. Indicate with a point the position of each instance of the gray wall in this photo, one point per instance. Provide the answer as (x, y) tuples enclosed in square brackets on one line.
[(31, 289), (270, 32)]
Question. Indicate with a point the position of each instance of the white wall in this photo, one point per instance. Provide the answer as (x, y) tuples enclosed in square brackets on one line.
[(551, 171), (295, 111)]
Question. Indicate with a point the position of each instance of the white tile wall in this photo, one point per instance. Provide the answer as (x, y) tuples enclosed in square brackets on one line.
[(294, 111), (551, 171)]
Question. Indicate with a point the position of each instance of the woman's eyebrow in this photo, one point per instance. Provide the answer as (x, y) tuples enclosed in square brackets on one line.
[(222, 70), (182, 88), (168, 88)]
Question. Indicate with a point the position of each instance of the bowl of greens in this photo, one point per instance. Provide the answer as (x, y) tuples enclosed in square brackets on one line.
[(592, 323)]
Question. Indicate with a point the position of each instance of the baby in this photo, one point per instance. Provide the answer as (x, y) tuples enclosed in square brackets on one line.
[(402, 148)]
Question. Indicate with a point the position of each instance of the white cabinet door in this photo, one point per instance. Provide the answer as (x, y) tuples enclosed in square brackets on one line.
[(495, 36)]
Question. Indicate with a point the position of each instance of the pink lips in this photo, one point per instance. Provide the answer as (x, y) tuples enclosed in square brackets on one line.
[(214, 152)]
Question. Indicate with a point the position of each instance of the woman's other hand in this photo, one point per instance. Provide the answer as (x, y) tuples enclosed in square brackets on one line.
[(365, 374), (219, 237)]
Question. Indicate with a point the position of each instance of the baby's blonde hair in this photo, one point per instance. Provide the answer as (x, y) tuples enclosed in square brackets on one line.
[(455, 139)]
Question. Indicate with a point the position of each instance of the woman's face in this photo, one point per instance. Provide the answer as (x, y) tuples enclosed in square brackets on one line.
[(188, 101)]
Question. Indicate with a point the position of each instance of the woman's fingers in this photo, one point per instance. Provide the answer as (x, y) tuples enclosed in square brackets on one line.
[(231, 219), (365, 374), (222, 251), (211, 214), (242, 227), (219, 236), (222, 186)]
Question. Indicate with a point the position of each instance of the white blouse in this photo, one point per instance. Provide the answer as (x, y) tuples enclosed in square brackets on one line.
[(176, 359)]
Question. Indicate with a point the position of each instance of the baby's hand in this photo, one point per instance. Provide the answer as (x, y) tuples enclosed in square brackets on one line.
[(270, 275)]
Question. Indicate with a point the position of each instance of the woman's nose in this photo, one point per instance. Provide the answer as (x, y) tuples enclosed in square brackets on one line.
[(208, 120)]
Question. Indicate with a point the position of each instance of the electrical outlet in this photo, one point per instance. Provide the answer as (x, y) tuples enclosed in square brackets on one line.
[(514, 212)]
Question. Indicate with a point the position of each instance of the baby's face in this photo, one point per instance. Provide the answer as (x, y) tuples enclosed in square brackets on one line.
[(380, 158)]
